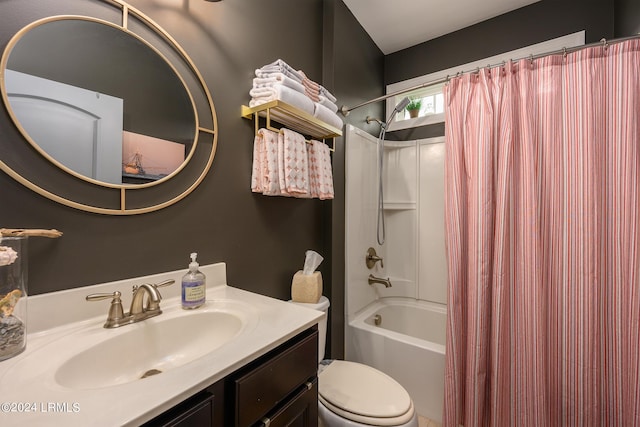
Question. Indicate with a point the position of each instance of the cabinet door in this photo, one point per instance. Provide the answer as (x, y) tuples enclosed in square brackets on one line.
[(198, 416), (300, 411), (205, 409), (268, 383)]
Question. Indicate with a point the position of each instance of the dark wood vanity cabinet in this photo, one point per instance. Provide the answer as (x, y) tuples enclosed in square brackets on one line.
[(276, 386), (201, 410), (301, 410), (277, 389)]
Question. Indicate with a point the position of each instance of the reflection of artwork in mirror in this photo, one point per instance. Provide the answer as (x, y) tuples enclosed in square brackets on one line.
[(145, 158), (75, 105)]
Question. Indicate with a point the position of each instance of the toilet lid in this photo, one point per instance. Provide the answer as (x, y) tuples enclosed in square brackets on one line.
[(362, 390)]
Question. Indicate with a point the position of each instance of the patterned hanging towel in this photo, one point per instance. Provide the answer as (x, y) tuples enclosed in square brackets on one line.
[(320, 171), (265, 172), (256, 171), (296, 169)]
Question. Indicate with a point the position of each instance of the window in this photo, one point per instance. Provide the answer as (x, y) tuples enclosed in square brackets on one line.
[(432, 108), (432, 102)]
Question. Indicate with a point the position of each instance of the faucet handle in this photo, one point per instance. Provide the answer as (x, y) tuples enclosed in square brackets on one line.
[(116, 313), (157, 285), (100, 296), (153, 298), (164, 283), (372, 258), (161, 285)]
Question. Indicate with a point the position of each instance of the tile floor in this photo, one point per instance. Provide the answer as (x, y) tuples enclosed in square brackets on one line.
[(426, 422)]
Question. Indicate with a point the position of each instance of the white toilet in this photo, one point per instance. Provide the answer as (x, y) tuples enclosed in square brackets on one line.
[(355, 395)]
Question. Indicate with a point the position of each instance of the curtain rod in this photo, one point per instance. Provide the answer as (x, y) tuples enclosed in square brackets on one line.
[(344, 110)]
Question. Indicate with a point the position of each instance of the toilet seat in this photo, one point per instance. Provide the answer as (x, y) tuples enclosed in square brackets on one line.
[(363, 394)]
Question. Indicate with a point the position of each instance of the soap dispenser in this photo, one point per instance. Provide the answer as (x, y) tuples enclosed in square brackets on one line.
[(193, 286)]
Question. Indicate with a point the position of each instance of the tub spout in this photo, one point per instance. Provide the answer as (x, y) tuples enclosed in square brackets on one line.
[(373, 279)]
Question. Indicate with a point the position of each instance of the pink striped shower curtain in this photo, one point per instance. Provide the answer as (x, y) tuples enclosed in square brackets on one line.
[(542, 232)]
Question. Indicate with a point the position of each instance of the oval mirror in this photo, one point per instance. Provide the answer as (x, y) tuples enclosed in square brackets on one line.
[(99, 102), (114, 104)]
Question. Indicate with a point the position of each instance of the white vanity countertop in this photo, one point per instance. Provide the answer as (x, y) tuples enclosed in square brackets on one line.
[(34, 398)]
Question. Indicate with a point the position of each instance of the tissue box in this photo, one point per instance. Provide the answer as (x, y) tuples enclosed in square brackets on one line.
[(306, 288)]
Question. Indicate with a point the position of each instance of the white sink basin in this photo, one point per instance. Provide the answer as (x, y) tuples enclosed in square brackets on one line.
[(91, 357), (148, 348), (91, 375)]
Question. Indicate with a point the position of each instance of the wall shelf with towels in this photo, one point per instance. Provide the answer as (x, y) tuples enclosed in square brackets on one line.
[(293, 118)]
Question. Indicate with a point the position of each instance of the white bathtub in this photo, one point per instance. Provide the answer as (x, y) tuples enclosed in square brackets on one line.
[(408, 345)]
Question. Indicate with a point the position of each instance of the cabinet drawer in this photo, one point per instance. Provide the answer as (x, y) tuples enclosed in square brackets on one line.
[(300, 410), (264, 385)]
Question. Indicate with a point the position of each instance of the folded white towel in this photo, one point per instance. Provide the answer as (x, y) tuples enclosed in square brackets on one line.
[(320, 171), (279, 66), (296, 169), (326, 115), (323, 100), (266, 74), (282, 93), (273, 91), (327, 94), (275, 79)]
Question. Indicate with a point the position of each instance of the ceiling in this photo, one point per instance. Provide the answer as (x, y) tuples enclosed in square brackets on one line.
[(397, 24)]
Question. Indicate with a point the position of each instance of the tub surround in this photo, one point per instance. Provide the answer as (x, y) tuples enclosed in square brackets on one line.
[(408, 345), (55, 316)]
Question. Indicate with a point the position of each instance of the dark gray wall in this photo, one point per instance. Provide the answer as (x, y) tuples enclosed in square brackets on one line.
[(353, 70), (262, 239), (531, 24), (627, 18)]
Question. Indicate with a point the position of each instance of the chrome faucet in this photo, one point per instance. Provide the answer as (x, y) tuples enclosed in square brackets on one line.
[(373, 279), (139, 311), (153, 300)]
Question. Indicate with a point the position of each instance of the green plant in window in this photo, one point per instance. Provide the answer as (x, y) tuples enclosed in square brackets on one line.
[(414, 106)]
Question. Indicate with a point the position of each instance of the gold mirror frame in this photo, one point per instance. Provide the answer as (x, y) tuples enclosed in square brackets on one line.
[(127, 11)]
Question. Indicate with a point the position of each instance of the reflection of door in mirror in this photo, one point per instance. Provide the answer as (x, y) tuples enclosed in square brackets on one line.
[(80, 129)]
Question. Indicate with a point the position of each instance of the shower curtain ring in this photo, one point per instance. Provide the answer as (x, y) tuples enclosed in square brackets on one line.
[(605, 45)]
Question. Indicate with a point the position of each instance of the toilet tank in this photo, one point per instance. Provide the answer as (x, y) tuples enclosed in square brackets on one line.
[(322, 305)]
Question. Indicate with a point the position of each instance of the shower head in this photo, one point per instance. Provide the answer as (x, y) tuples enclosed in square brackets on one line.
[(402, 104)]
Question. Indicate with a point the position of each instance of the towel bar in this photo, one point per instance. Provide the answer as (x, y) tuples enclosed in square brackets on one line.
[(293, 118)]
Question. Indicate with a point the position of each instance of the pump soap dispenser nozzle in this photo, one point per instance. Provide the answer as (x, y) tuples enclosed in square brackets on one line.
[(194, 264), (193, 285)]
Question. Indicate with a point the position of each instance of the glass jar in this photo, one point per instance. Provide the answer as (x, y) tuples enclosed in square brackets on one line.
[(13, 296)]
